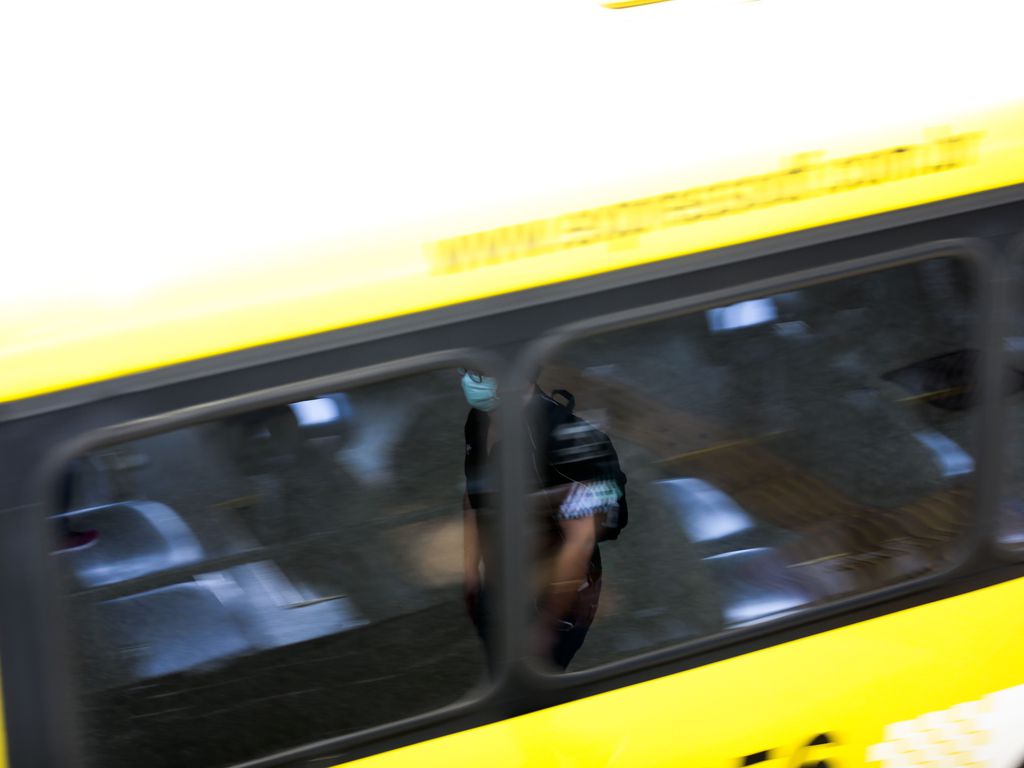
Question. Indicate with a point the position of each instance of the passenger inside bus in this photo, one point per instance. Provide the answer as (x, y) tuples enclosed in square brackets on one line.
[(576, 494)]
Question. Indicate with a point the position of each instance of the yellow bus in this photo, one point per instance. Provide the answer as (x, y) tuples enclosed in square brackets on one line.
[(772, 250)]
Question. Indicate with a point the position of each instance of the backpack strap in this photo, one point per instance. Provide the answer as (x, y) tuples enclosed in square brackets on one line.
[(570, 399)]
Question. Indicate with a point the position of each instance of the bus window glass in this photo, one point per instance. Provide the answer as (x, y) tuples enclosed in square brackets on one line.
[(773, 454), (271, 579), (1011, 519)]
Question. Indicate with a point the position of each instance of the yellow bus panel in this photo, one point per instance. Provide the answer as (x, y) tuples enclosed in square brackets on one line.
[(50, 347), (938, 682)]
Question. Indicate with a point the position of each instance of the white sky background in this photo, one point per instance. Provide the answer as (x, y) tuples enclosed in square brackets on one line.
[(140, 142)]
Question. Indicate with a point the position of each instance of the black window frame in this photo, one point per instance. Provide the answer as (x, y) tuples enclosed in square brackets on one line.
[(204, 412), (1007, 304), (980, 517)]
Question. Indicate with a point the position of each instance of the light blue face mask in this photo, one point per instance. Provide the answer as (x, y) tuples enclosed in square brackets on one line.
[(481, 391)]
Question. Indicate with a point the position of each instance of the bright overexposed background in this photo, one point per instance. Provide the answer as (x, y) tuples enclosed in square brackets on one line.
[(142, 143)]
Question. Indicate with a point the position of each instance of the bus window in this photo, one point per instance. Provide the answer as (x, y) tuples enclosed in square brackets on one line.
[(773, 454), (1011, 518), (278, 577)]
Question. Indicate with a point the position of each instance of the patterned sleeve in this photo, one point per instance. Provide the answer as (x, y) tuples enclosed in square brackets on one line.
[(590, 498)]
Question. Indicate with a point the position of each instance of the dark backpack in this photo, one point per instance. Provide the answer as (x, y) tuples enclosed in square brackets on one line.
[(587, 453)]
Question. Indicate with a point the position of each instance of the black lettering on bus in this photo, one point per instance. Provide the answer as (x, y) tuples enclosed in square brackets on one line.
[(756, 757)]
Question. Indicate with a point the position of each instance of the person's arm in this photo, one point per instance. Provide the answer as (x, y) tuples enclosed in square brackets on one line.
[(569, 570), (470, 555)]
